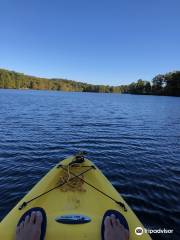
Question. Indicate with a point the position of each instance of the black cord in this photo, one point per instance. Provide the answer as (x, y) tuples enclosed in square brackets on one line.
[(122, 205)]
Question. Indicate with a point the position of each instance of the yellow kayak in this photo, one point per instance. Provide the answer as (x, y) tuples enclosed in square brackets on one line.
[(74, 195)]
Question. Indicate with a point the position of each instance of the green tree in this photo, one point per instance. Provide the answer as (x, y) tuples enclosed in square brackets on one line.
[(172, 83), (158, 84)]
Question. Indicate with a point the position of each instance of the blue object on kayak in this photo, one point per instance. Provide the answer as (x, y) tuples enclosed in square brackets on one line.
[(44, 222), (73, 219), (118, 215)]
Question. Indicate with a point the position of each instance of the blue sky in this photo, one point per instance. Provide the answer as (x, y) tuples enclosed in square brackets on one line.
[(96, 41)]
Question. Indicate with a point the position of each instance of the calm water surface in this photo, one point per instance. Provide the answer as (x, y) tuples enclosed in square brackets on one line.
[(135, 140)]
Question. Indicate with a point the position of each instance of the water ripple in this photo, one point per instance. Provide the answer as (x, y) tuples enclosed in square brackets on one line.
[(133, 139)]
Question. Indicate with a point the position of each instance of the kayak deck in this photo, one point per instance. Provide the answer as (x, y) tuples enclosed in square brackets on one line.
[(83, 199)]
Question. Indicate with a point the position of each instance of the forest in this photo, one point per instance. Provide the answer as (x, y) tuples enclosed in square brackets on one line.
[(162, 84)]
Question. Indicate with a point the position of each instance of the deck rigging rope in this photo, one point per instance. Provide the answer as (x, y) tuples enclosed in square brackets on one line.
[(69, 179)]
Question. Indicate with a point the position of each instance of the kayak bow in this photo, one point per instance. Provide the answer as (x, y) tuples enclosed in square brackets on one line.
[(75, 195)]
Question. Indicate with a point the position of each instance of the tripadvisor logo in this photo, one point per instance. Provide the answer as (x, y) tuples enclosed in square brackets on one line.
[(139, 231)]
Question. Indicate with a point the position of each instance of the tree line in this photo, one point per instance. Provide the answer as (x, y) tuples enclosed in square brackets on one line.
[(162, 84)]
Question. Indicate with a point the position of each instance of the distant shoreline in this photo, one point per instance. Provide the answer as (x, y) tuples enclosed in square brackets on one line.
[(136, 94), (161, 85)]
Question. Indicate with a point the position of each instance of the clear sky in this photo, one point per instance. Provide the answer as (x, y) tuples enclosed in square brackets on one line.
[(96, 41)]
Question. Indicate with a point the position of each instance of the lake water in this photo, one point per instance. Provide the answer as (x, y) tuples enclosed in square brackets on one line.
[(135, 140)]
